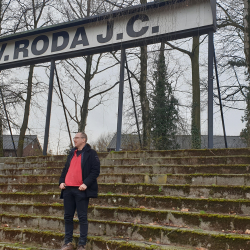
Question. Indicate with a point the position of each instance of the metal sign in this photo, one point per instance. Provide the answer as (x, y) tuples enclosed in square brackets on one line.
[(144, 24)]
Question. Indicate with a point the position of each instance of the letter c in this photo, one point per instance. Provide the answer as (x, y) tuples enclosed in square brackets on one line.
[(130, 26)]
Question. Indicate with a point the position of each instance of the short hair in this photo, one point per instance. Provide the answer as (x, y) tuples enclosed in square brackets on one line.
[(84, 135)]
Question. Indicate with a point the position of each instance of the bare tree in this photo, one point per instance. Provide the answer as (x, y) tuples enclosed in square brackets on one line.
[(102, 142), (32, 18), (83, 76), (234, 56), (194, 57), (9, 23)]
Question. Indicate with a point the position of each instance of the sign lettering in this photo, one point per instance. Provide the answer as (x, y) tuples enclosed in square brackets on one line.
[(34, 49), (143, 26), (21, 46)]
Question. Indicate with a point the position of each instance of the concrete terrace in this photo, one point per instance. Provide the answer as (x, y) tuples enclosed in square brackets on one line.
[(173, 200)]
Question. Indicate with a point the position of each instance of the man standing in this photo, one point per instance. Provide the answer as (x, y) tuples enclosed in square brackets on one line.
[(78, 183)]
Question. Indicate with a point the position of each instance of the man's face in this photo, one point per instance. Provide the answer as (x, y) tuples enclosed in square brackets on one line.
[(79, 141)]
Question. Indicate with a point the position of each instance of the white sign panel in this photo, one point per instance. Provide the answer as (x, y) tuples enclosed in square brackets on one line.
[(171, 21)]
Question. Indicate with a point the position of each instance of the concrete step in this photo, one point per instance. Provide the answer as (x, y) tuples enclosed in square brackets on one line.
[(238, 206), (56, 169), (172, 218), (99, 243), (157, 200), (225, 206), (176, 179), (145, 233), (179, 153), (195, 160), (30, 187), (178, 169), (133, 178), (41, 159), (29, 178), (198, 220), (15, 166), (35, 159), (32, 171), (55, 209), (108, 178), (191, 191), (18, 246)]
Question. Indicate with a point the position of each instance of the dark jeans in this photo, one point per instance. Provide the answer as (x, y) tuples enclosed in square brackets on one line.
[(74, 199)]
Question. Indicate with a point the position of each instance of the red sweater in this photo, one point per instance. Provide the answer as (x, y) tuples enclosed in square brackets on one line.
[(74, 175)]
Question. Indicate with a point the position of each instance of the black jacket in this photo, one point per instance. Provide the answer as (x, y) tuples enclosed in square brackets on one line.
[(90, 170)]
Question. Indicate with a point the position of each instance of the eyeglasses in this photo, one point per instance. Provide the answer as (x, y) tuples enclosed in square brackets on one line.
[(77, 138)]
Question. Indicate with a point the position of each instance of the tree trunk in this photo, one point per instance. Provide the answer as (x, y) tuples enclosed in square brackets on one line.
[(247, 33), (1, 117), (143, 96), (1, 137), (26, 113), (85, 103), (196, 126), (247, 55)]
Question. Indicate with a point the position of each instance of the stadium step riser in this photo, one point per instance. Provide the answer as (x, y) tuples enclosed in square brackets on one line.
[(178, 160), (51, 240), (187, 169), (228, 192), (217, 222), (163, 169), (34, 159), (33, 171), (47, 239), (196, 179), (135, 178), (14, 168), (197, 205), (179, 153), (55, 209), (29, 179), (133, 232)]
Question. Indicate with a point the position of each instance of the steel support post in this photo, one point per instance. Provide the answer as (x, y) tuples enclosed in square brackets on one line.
[(120, 102), (210, 88), (46, 134)]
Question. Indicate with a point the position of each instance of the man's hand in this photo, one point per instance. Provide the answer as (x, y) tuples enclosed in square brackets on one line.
[(62, 186), (83, 187)]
